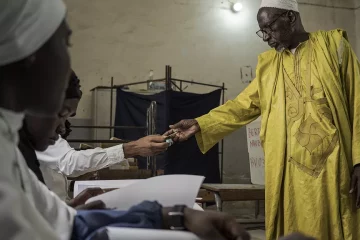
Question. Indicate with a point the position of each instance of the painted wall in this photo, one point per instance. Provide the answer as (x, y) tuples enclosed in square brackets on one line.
[(201, 39)]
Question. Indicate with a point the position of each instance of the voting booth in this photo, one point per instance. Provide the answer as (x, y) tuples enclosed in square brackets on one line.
[(256, 152)]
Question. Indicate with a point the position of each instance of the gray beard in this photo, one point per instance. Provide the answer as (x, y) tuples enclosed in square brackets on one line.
[(282, 49)]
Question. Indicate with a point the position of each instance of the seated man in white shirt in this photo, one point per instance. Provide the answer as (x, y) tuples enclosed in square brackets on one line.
[(34, 71), (60, 160)]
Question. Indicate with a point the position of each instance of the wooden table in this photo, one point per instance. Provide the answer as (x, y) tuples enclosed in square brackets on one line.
[(236, 192)]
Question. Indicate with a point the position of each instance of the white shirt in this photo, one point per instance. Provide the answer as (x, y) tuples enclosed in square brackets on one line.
[(28, 209), (62, 160)]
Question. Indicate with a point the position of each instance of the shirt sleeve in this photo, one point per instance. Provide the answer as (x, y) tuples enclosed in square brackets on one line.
[(229, 117), (19, 219), (28, 209), (52, 208), (350, 73), (62, 157), (90, 224)]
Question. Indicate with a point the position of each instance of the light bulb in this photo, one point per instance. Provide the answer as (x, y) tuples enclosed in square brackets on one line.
[(237, 7)]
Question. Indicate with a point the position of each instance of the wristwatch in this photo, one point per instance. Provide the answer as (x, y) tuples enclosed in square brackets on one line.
[(176, 218)]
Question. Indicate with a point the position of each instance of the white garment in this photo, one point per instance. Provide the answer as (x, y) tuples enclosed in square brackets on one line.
[(26, 25), (28, 209), (281, 4), (62, 160)]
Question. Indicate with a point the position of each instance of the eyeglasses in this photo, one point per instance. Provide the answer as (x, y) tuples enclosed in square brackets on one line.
[(265, 34)]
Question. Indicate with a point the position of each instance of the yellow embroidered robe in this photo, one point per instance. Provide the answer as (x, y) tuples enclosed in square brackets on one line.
[(310, 131)]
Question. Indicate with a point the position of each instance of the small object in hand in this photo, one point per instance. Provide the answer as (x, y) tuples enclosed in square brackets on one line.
[(172, 135), (170, 142)]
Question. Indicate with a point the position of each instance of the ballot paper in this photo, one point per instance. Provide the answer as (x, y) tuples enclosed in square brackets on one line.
[(148, 234), (80, 186), (168, 190)]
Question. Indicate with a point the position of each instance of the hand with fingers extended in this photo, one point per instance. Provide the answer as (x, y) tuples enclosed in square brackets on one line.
[(88, 193), (147, 146), (95, 205), (183, 130), (214, 225), (355, 184)]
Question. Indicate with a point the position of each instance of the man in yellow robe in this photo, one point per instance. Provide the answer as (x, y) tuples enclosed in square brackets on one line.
[(307, 91)]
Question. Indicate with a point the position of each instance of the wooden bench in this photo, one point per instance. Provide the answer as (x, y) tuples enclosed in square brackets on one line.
[(236, 192), (205, 198)]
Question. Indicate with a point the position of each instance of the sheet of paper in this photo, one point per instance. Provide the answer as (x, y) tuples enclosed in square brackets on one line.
[(168, 190), (148, 234), (256, 153), (197, 207), (80, 186)]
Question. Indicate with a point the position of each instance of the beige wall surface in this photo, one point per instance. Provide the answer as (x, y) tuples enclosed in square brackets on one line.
[(201, 39)]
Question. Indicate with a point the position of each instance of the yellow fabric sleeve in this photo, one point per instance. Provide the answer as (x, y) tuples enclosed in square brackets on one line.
[(350, 74), (229, 117)]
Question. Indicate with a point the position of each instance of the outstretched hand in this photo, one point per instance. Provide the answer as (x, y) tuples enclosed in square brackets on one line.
[(95, 205), (88, 193), (183, 130), (151, 145), (211, 225)]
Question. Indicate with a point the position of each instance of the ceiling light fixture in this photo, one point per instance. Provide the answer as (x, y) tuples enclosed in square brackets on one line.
[(237, 7)]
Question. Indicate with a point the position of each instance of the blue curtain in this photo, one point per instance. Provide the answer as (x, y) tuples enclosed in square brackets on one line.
[(182, 158)]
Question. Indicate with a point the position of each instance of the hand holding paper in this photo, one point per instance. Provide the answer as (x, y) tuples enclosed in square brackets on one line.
[(170, 190)]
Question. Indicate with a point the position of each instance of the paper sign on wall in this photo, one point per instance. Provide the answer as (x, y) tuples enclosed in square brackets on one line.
[(256, 153), (168, 190)]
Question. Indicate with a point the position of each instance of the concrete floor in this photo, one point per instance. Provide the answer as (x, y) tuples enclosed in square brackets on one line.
[(257, 234)]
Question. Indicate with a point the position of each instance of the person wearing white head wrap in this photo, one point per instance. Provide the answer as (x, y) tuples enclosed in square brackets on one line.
[(26, 26), (34, 69), (28, 209), (307, 92), (27, 36)]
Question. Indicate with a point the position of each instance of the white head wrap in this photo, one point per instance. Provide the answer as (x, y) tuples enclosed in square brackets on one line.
[(26, 25), (281, 4)]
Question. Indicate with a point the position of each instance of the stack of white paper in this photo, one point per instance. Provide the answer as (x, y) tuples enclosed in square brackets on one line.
[(148, 234), (168, 190), (80, 186)]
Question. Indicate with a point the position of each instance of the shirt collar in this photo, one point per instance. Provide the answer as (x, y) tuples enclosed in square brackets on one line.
[(12, 120)]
